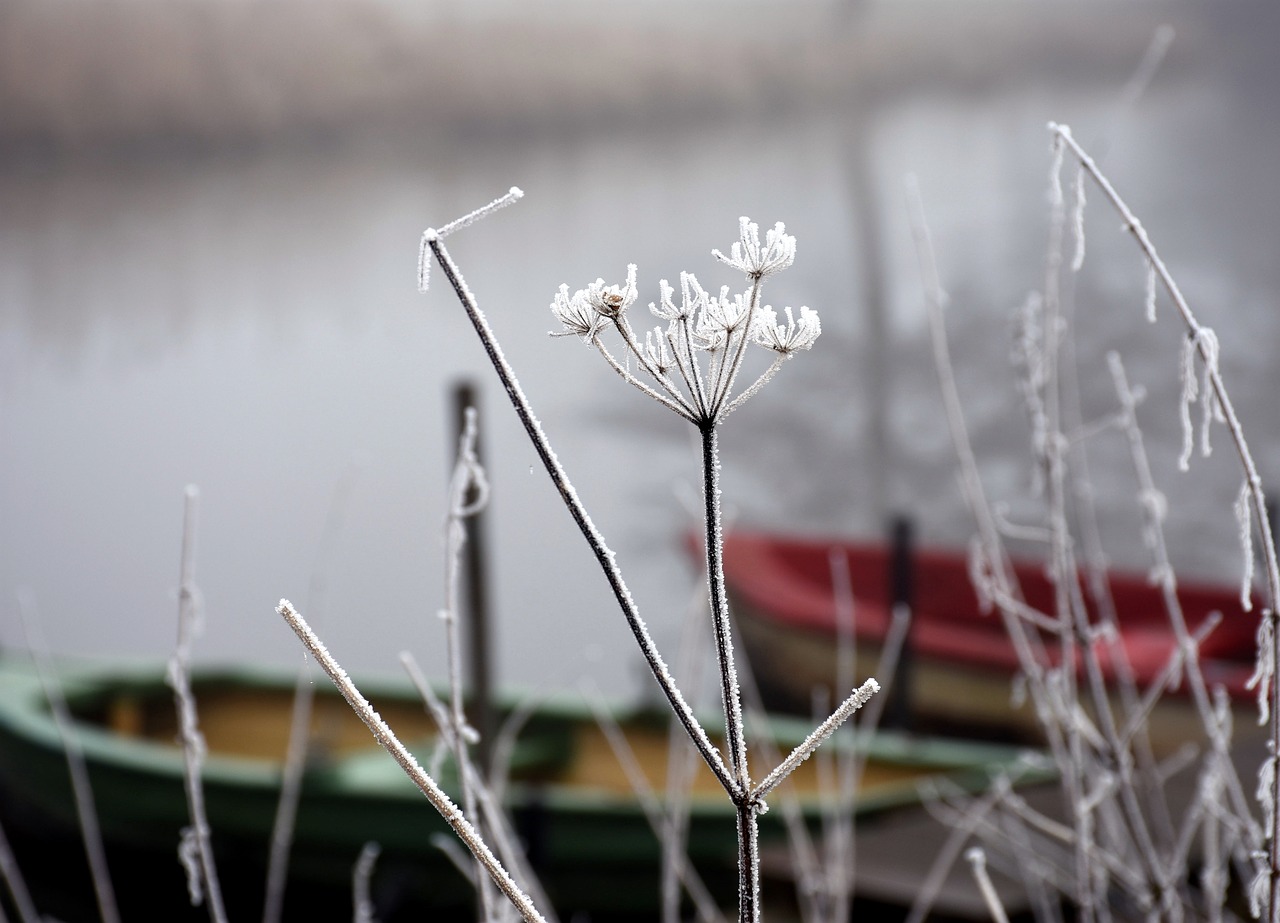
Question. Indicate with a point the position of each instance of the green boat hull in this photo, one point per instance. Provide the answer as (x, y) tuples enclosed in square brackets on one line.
[(591, 845)]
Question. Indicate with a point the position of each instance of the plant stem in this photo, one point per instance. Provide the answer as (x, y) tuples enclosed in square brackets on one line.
[(193, 745), (468, 477), (570, 497), (12, 876), (77, 767), (1131, 223), (730, 693), (386, 737), (723, 383), (748, 863)]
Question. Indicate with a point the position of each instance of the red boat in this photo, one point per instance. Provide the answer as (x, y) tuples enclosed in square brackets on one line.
[(960, 663)]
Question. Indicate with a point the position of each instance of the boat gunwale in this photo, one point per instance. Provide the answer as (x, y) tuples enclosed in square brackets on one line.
[(22, 712)]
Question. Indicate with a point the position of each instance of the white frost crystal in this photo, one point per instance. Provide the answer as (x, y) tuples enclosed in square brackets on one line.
[(587, 311), (692, 298), (796, 335), (778, 252), (611, 300), (697, 388), (721, 317), (576, 314)]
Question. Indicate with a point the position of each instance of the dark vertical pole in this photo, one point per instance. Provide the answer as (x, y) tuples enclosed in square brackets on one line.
[(475, 597), (897, 713)]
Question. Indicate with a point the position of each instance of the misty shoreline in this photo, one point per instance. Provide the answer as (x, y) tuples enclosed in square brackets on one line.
[(194, 73)]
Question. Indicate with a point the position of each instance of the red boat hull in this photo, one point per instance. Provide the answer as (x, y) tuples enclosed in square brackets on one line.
[(962, 660)]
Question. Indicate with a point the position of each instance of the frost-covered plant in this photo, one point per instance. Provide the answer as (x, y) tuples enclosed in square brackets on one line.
[(1122, 850), (692, 364), (1250, 508), (694, 361), (692, 367)]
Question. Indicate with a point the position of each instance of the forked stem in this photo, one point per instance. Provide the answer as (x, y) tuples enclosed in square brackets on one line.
[(722, 325), (570, 497)]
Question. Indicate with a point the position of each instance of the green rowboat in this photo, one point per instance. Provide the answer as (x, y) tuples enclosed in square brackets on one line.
[(570, 801)]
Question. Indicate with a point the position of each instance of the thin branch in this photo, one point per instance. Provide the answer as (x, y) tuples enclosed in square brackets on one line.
[(994, 560), (388, 740), (193, 745), (1168, 588), (433, 234), (765, 377), (578, 512), (77, 769), (361, 874), (26, 908), (295, 761), (681, 409), (730, 692), (496, 822), (468, 479), (978, 862), (653, 811), (801, 753), (1195, 329)]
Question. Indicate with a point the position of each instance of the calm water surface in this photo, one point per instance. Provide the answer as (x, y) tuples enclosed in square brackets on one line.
[(250, 324)]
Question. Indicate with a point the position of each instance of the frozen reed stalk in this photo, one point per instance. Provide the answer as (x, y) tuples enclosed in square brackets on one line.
[(1205, 345), (295, 761), (77, 769), (14, 881), (978, 862), (810, 875), (428, 786), (497, 826), (703, 903), (960, 833), (691, 368), (1185, 659), (1244, 520), (500, 837), (193, 746), (514, 194), (1110, 835), (361, 876), (604, 556), (468, 494), (988, 557), (860, 697)]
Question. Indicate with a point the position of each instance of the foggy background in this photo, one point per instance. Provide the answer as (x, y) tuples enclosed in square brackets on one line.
[(209, 219)]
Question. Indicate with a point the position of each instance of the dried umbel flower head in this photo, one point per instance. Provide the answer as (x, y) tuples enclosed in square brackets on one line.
[(778, 252), (588, 311), (611, 300), (719, 325), (577, 315), (794, 336)]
